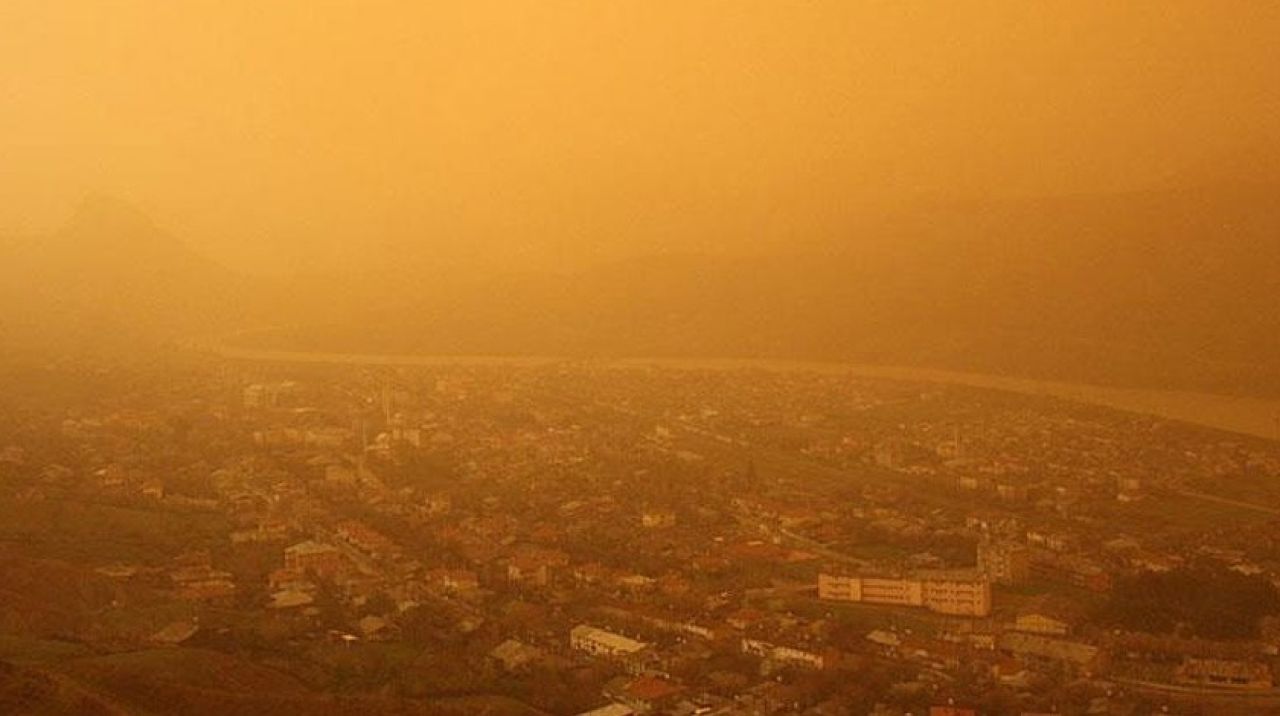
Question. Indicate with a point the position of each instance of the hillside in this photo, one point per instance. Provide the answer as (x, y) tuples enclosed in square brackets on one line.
[(109, 280), (34, 691), (1171, 288), (47, 597)]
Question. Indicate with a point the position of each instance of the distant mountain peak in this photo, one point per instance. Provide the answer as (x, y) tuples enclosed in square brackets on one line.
[(104, 215), (115, 234)]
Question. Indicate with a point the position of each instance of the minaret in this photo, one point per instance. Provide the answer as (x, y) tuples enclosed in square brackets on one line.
[(386, 402)]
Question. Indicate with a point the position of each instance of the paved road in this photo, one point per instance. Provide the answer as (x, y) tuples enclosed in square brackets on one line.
[(1230, 502), (1269, 696)]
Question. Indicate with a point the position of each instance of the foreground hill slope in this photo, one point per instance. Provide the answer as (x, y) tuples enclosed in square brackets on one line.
[(198, 682)]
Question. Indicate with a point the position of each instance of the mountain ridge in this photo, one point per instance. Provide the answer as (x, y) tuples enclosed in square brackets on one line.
[(1160, 288)]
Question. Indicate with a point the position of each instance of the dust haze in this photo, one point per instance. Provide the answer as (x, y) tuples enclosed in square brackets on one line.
[(618, 358)]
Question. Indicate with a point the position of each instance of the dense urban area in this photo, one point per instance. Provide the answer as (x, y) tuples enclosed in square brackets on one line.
[(220, 536)]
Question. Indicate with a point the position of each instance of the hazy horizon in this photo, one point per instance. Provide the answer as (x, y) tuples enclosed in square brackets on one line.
[(499, 136)]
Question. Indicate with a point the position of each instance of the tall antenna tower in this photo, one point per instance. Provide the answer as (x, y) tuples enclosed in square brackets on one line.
[(386, 400)]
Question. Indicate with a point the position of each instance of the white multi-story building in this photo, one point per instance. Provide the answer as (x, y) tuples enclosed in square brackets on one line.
[(956, 593)]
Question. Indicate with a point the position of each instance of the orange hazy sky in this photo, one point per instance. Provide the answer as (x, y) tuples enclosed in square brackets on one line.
[(276, 134)]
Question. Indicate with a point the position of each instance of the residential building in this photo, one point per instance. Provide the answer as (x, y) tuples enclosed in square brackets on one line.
[(783, 654), (311, 556), (1004, 563), (1226, 673), (599, 642)]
